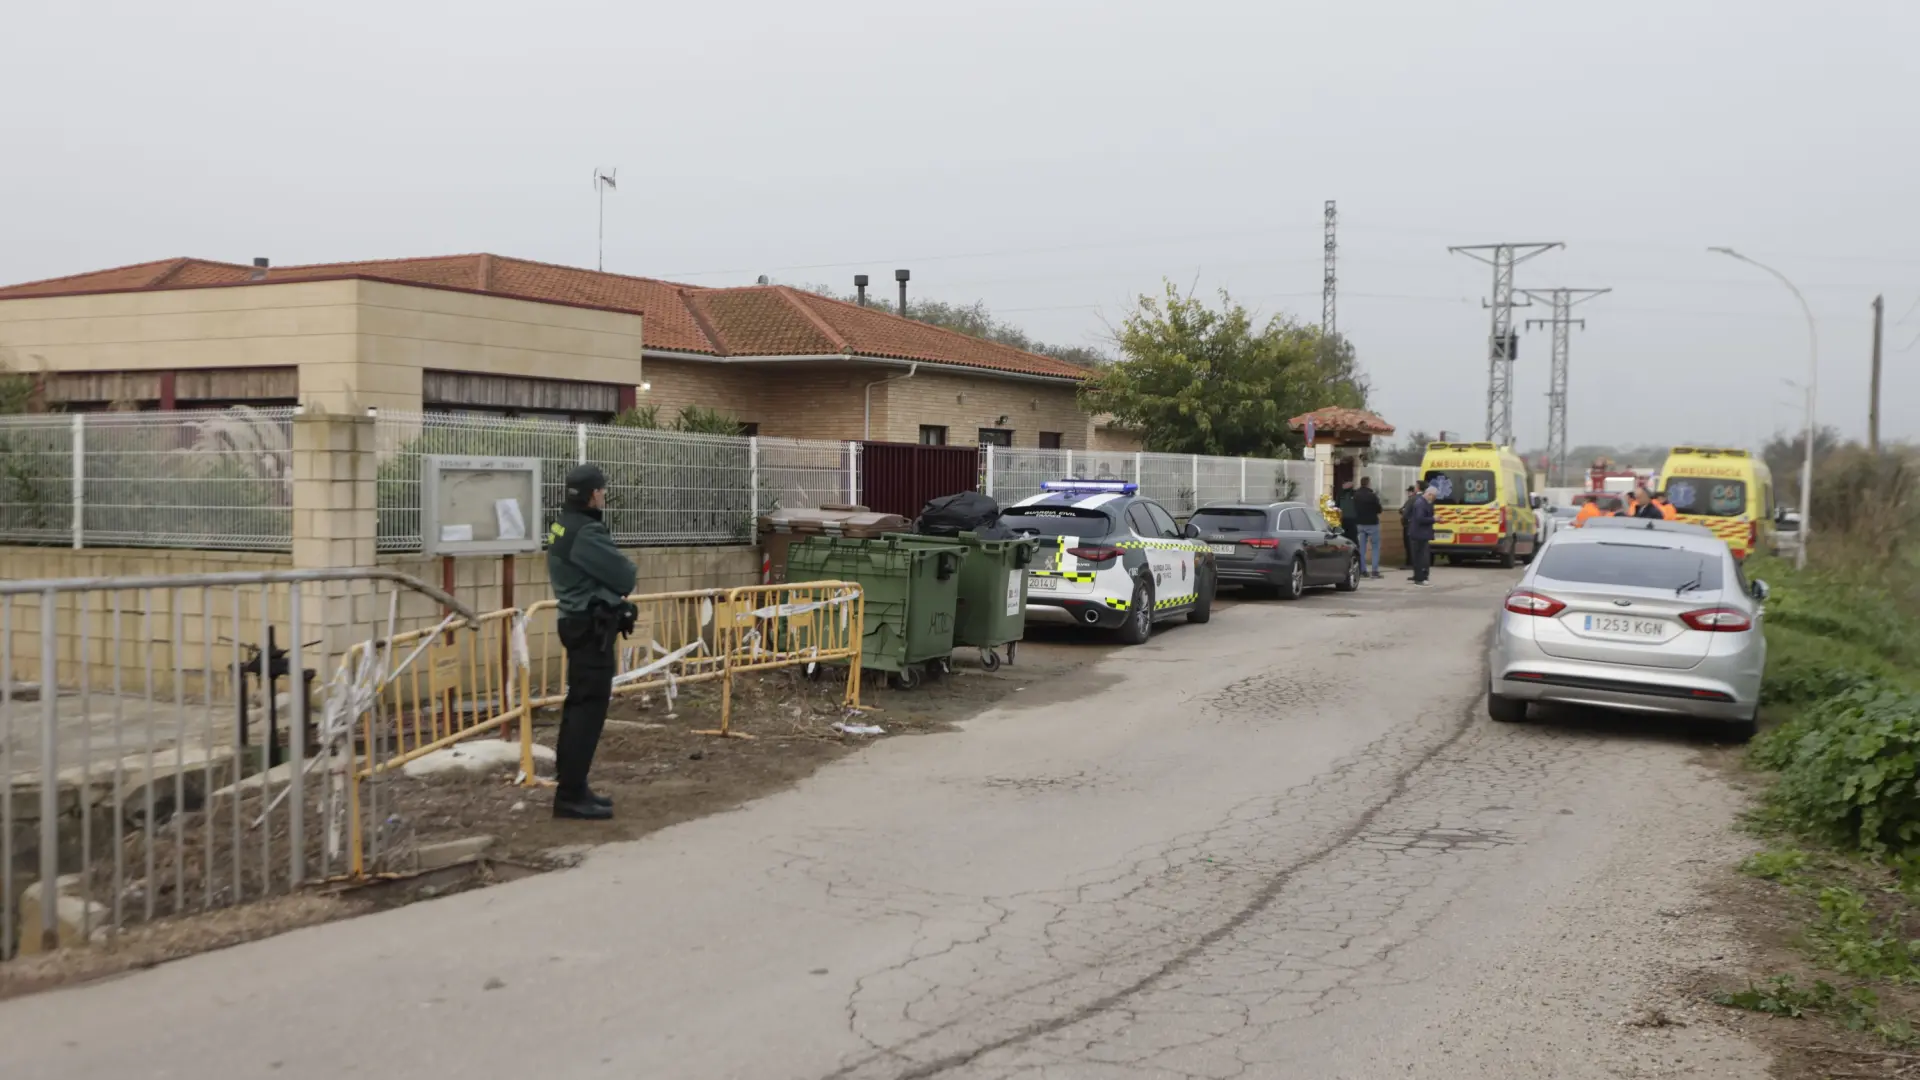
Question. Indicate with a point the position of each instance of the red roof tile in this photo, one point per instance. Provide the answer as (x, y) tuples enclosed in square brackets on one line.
[(722, 322), (1339, 419)]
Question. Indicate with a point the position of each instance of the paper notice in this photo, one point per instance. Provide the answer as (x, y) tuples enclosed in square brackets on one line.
[(456, 534), (512, 525)]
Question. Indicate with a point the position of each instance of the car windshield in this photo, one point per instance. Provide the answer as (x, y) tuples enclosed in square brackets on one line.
[(1707, 497), (1058, 521), (1460, 487), (1637, 565), (1230, 519)]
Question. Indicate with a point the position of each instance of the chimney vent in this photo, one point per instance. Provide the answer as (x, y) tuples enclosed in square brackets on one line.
[(860, 288), (903, 276), (260, 265)]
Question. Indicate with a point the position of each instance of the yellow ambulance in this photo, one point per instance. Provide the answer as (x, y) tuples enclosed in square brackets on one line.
[(1728, 491), (1482, 508)]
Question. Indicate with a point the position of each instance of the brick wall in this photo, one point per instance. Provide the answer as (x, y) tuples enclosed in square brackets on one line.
[(964, 404)]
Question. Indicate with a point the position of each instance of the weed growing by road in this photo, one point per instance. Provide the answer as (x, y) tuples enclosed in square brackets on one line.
[(1778, 864)]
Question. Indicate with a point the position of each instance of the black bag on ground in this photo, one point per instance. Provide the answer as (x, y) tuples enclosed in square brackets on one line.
[(968, 511)]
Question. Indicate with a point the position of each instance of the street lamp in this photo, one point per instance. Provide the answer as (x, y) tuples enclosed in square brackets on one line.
[(1813, 384)]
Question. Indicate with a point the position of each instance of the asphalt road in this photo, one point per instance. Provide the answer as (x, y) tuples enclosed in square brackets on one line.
[(1287, 844)]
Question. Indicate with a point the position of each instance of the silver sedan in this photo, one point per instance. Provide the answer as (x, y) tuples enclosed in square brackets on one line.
[(1635, 615)]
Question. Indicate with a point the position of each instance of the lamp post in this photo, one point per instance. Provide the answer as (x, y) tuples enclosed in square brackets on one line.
[(1813, 384)]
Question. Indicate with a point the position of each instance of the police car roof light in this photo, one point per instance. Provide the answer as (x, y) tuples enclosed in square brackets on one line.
[(1121, 487)]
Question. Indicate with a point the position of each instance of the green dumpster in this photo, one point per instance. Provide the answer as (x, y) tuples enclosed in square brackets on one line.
[(911, 593), (993, 592)]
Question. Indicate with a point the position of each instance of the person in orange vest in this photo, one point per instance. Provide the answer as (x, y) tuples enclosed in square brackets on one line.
[(1640, 505), (1667, 509), (1589, 509)]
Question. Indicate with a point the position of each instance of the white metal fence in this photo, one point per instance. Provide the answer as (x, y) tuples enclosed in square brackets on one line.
[(663, 487), (216, 479), (1182, 482)]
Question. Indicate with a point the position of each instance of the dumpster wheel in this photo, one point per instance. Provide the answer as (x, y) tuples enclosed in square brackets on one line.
[(989, 660), (907, 678)]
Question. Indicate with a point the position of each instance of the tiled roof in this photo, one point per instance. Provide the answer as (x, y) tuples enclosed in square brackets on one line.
[(759, 320), (1336, 418)]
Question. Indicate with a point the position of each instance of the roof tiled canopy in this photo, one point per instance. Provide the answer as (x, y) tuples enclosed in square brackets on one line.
[(1337, 420), (758, 320)]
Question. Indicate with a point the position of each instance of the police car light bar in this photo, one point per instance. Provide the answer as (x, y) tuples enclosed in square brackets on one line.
[(1118, 487)]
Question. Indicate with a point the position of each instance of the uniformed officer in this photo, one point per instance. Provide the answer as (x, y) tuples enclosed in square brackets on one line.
[(591, 580)]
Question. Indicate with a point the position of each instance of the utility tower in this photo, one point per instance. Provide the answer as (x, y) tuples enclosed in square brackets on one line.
[(1562, 323), (1328, 323), (1501, 341)]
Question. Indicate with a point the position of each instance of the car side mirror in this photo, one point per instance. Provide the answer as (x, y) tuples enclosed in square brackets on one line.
[(1193, 531), (1760, 590)]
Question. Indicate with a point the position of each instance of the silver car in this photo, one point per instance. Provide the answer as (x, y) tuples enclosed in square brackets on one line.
[(1635, 615)]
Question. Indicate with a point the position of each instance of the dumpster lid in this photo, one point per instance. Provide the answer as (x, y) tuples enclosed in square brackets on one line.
[(831, 521)]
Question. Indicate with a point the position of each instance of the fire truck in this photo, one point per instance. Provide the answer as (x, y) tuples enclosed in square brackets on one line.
[(1608, 477)]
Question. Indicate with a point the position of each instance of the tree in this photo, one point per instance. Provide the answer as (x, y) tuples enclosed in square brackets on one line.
[(1199, 380), (1785, 456), (1409, 452), (976, 320)]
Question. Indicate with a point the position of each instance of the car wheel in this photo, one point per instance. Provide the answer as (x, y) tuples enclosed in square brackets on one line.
[(1202, 610), (1295, 582), (1507, 557), (1351, 581), (1742, 730), (1506, 710), (1139, 625)]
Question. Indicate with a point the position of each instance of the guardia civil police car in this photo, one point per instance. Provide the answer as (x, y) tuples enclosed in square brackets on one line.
[(1110, 558)]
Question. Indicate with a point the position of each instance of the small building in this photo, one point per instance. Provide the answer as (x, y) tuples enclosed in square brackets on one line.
[(491, 334), (1339, 438)]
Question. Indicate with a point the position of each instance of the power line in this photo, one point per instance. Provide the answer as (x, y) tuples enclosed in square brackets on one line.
[(1500, 337), (1562, 322)]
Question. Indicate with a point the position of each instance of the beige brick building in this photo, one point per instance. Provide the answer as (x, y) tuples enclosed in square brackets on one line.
[(485, 333)]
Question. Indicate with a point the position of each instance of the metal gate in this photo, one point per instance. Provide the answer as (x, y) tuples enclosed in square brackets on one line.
[(899, 478)]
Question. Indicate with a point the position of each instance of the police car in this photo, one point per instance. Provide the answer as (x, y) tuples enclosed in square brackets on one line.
[(1111, 559)]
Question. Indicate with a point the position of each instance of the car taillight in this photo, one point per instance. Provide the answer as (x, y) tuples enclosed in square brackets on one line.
[(1097, 553), (1719, 620), (1528, 602), (1263, 542), (1503, 519), (1753, 534)]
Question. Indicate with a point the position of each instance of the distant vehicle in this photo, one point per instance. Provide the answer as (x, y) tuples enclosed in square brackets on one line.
[(1787, 537), (1633, 615), (1280, 549), (1482, 509), (1110, 558), (1555, 518), (1727, 491)]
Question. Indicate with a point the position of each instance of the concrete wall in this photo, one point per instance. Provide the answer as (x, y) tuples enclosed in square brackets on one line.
[(356, 343)]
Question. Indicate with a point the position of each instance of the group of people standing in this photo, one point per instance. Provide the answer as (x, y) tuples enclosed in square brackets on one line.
[(1641, 504)]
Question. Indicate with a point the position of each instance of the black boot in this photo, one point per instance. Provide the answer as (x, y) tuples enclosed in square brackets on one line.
[(598, 799), (580, 808)]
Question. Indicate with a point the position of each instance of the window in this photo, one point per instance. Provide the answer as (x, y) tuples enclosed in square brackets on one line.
[(1461, 487), (1296, 521), (933, 435), (1635, 565), (1138, 519), (1709, 498), (1163, 522), (750, 430), (1059, 521), (1049, 440), (1231, 519), (996, 436), (1315, 523)]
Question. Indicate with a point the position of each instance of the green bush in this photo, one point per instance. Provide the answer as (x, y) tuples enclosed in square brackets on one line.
[(1850, 770), (1803, 667)]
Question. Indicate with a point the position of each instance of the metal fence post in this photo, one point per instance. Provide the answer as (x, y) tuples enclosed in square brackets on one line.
[(1140, 472), (1070, 465), (753, 480), (296, 743), (989, 483), (79, 479), (1243, 479), (1194, 500), (579, 444), (853, 473), (50, 773)]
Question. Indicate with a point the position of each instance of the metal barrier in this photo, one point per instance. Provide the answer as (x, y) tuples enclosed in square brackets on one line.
[(158, 791), (154, 781)]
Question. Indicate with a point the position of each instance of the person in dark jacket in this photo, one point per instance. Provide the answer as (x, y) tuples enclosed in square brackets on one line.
[(1406, 517), (591, 580), (1344, 501), (1420, 536), (1366, 525), (1641, 506)]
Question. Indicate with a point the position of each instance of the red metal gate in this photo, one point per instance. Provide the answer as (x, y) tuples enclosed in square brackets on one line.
[(899, 478)]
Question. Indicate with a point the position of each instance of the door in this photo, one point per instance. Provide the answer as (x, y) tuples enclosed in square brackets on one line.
[(1181, 557), (1297, 534), (1328, 560)]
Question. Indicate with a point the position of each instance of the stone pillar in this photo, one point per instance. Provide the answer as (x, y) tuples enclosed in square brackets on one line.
[(335, 520)]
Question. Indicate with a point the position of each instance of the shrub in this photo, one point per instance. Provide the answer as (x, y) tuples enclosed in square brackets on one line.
[(1850, 770)]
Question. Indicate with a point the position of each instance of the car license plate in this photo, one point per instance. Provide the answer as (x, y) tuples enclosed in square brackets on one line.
[(1443, 538), (1623, 626), (1043, 584), (1223, 549)]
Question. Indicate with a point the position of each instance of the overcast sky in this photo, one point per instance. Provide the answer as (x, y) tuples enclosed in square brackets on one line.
[(1052, 158)]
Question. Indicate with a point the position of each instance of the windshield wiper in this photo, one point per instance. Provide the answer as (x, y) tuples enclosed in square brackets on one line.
[(1695, 583)]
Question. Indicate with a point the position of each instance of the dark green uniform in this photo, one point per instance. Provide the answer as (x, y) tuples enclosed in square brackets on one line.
[(591, 580)]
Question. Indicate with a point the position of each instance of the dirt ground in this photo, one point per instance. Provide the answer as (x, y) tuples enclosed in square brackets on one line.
[(1769, 917)]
